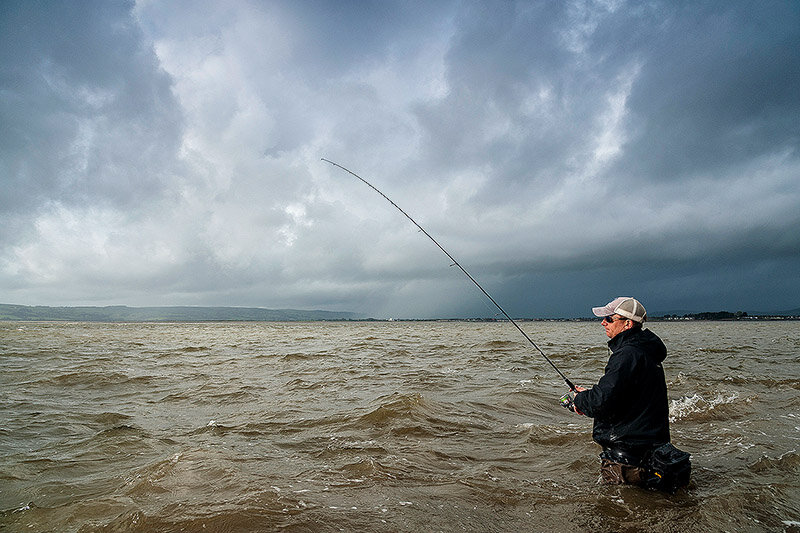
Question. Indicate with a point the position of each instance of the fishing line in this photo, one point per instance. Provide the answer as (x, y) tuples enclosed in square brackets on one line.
[(456, 263)]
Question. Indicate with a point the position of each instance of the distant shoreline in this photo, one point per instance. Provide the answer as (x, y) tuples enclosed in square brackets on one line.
[(121, 313), (167, 314)]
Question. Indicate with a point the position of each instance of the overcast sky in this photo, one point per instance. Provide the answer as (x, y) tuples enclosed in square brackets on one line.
[(168, 153)]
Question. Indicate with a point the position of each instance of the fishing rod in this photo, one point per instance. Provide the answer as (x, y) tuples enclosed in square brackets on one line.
[(456, 263)]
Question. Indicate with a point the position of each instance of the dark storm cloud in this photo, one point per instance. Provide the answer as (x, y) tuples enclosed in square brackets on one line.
[(88, 115), (715, 84), (718, 87)]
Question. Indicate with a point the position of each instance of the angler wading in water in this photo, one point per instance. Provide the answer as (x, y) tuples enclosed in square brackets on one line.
[(629, 404), (631, 417)]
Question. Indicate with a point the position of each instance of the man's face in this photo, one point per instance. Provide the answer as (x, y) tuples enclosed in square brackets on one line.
[(614, 325)]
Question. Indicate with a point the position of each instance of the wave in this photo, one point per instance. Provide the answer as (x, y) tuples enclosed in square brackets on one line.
[(271, 512), (194, 349), (409, 415), (97, 379), (122, 439), (214, 393), (335, 446), (17, 509), (241, 395), (122, 430), (552, 435), (499, 345), (724, 350), (696, 407), (367, 470), (790, 383), (301, 384), (304, 356), (199, 472), (787, 463), (108, 418), (400, 407)]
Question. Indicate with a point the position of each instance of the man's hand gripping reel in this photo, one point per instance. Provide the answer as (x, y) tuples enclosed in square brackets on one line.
[(568, 400)]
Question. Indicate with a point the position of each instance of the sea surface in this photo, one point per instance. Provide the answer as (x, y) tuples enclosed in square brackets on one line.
[(379, 427)]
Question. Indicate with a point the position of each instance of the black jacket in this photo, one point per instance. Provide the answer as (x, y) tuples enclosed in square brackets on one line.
[(629, 403)]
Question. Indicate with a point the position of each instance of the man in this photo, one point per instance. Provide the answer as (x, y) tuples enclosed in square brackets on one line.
[(629, 403)]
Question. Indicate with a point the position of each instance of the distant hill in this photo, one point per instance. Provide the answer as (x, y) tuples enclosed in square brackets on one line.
[(121, 313)]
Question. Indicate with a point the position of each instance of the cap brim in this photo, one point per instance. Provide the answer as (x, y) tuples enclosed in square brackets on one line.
[(603, 311)]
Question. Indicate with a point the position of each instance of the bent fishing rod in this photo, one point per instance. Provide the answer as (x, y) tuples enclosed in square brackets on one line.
[(456, 263)]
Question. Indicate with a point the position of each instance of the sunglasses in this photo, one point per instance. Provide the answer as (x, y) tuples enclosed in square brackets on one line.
[(611, 319)]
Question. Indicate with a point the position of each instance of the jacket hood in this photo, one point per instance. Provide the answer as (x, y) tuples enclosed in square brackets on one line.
[(646, 339)]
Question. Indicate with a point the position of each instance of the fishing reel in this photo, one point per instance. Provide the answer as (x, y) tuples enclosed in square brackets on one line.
[(568, 402)]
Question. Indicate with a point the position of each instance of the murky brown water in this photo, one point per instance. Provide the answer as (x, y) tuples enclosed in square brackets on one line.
[(386, 427)]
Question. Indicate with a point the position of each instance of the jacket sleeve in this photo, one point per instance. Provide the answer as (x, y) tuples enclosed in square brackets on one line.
[(602, 399)]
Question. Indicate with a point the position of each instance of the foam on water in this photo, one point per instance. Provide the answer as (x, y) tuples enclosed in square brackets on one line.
[(688, 406)]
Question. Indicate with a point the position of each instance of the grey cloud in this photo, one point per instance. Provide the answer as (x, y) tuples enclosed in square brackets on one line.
[(88, 115), (715, 85), (718, 87), (517, 70), (337, 37)]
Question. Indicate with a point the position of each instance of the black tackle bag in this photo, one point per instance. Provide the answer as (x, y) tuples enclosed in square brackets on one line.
[(668, 468)]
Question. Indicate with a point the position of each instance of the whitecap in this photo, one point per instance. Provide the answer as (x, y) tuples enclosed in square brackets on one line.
[(687, 405)]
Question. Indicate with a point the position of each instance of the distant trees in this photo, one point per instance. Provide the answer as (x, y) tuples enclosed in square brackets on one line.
[(709, 315), (719, 315)]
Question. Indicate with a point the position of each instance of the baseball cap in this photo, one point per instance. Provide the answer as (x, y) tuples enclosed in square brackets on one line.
[(624, 306)]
